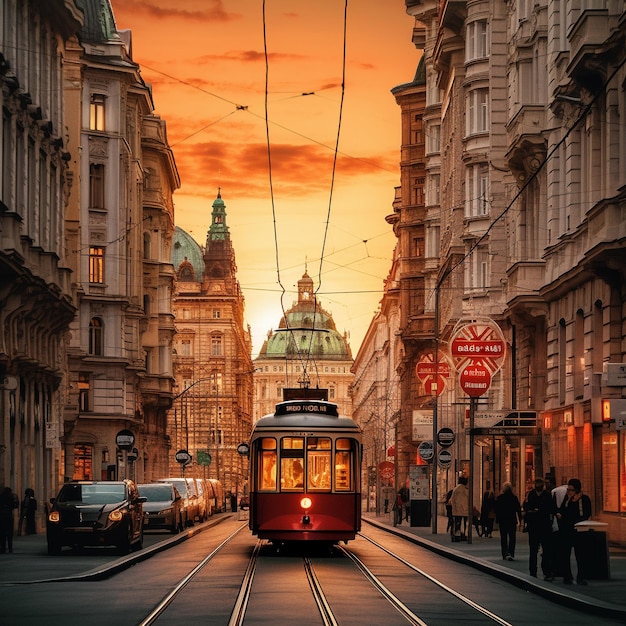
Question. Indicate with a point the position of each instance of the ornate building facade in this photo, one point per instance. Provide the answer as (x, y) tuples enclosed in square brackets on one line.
[(521, 204), (35, 284), (212, 409), (305, 351)]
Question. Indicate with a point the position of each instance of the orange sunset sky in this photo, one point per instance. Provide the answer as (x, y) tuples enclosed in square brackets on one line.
[(205, 61)]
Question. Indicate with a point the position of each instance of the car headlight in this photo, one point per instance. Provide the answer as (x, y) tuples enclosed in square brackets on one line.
[(116, 516), (54, 517), (166, 511)]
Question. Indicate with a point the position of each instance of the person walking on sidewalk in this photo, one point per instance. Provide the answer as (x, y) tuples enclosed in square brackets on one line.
[(460, 509), (8, 502), (538, 516), (28, 510), (575, 508), (508, 516), (488, 512)]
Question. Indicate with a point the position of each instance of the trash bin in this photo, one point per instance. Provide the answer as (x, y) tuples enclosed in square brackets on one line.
[(420, 512), (593, 547)]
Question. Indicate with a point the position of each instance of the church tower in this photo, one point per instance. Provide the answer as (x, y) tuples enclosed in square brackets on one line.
[(212, 410)]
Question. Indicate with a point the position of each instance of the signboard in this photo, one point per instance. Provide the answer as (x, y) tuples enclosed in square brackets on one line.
[(133, 455), (422, 425), (445, 437), (52, 435), (125, 440), (426, 450), (615, 409), (419, 482), (478, 349), (183, 457), (204, 457), (387, 470), (433, 375), (444, 458)]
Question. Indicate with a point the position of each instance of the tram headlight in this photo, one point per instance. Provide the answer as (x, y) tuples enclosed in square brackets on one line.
[(306, 503)]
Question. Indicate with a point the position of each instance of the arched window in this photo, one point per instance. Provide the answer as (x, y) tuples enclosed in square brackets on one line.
[(96, 339)]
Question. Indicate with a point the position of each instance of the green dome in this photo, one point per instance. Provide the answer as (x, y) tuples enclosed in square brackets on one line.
[(185, 252), (306, 328)]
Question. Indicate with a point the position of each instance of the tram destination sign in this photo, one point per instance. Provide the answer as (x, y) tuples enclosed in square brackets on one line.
[(505, 418)]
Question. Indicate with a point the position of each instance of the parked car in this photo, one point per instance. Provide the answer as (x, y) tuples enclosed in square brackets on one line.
[(204, 499), (187, 489), (163, 508), (218, 490), (96, 513)]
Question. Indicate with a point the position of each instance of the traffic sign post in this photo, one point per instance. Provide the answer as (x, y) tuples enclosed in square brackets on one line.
[(478, 349)]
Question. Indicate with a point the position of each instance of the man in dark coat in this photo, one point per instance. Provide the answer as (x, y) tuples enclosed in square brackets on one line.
[(575, 508), (508, 516), (538, 516)]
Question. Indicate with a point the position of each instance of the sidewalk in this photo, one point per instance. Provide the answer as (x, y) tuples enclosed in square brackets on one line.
[(604, 597)]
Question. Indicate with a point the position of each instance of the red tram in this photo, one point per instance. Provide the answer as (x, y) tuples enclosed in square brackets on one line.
[(305, 468)]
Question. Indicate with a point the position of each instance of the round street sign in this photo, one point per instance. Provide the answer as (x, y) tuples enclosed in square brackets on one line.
[(125, 440), (445, 437), (444, 458), (426, 450), (387, 469), (475, 379), (183, 457)]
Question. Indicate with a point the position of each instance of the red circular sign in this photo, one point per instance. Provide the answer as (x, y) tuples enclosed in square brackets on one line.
[(433, 375), (475, 379), (387, 469)]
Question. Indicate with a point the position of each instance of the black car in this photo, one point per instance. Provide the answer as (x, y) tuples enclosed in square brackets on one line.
[(163, 507), (96, 513)]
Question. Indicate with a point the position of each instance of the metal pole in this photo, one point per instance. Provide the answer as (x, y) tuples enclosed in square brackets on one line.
[(433, 477), (472, 412)]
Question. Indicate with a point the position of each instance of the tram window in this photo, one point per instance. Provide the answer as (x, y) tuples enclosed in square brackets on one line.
[(291, 474), (292, 463), (343, 465), (318, 463), (267, 464)]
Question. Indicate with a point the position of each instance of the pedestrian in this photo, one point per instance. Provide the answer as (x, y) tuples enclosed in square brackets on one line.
[(450, 527), (508, 516), (558, 495), (404, 499), (8, 502), (28, 509), (538, 520), (576, 508), (233, 502), (460, 509), (488, 512)]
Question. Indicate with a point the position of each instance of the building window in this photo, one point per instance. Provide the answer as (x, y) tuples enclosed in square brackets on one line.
[(83, 465), (216, 346), (185, 347), (96, 264), (83, 392), (96, 186), (96, 332), (477, 118), (476, 190), (433, 190), (217, 314), (477, 269), (476, 40), (96, 112), (434, 138), (432, 241)]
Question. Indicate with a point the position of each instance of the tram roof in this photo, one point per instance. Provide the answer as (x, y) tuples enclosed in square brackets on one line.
[(306, 414)]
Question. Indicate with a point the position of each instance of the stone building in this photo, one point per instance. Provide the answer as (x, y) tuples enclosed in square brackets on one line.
[(212, 409), (35, 283), (119, 227), (523, 223), (305, 351)]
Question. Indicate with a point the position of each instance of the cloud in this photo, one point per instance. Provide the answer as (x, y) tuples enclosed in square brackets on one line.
[(214, 12)]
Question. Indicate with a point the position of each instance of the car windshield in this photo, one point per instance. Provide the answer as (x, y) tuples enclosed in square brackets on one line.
[(181, 485), (92, 494), (156, 493)]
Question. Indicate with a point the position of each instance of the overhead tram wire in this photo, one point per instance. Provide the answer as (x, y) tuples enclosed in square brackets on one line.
[(304, 361), (332, 181)]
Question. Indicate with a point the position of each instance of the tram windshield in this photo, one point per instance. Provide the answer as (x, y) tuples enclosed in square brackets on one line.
[(311, 462)]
